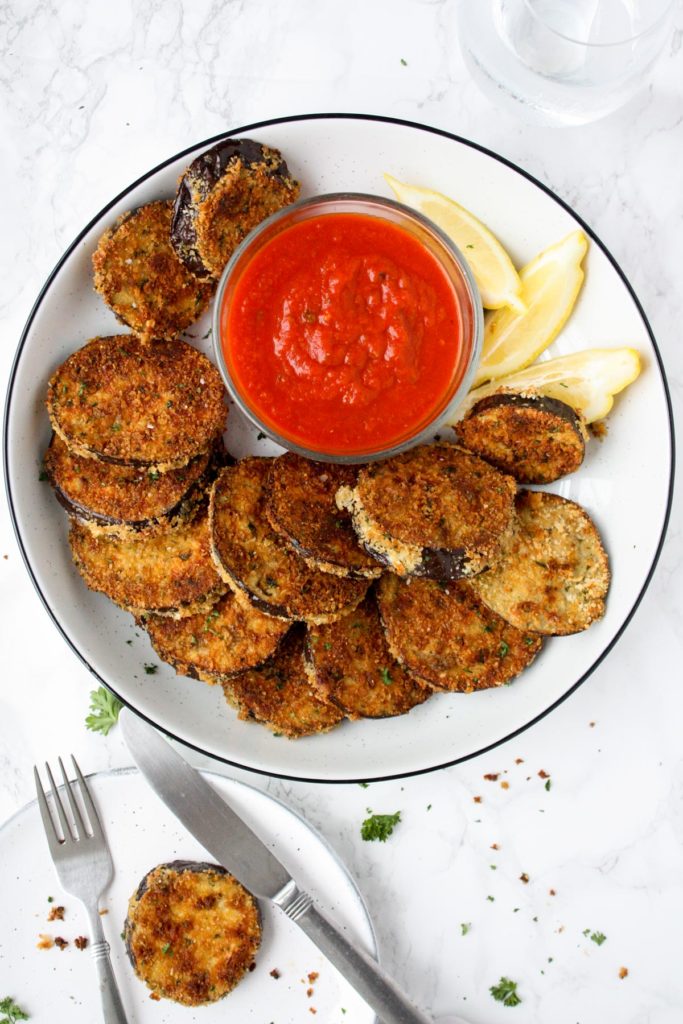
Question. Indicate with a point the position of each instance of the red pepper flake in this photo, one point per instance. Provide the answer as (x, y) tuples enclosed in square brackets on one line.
[(492, 776), (275, 973), (543, 775), (477, 799), (313, 977), (60, 942), (623, 972), (56, 914), (309, 992), (524, 877), (505, 785), (80, 942)]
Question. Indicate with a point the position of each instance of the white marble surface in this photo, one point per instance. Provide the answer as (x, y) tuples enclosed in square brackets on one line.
[(92, 96)]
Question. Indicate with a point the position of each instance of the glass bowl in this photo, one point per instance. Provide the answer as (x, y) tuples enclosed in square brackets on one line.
[(452, 263)]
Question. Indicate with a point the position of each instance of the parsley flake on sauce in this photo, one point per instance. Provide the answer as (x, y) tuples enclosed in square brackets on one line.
[(505, 992), (379, 827)]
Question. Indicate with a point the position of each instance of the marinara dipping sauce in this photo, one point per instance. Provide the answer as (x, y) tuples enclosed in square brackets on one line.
[(342, 333)]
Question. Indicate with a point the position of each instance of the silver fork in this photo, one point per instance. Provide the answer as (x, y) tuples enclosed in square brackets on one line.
[(84, 868)]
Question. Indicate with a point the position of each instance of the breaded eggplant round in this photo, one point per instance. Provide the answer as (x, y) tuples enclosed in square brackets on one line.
[(132, 404), (222, 195), (447, 637), (553, 574), (140, 277), (125, 501), (350, 664), (170, 573), (218, 643), (300, 507), (435, 511), (258, 564), (192, 932), (534, 438), (279, 695)]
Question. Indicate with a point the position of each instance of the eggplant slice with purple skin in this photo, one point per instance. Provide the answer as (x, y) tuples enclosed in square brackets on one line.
[(170, 573), (300, 506), (350, 665), (222, 195), (258, 564), (218, 643), (553, 574), (447, 637), (125, 501), (534, 438), (131, 404), (279, 695), (192, 932), (436, 511), (140, 277)]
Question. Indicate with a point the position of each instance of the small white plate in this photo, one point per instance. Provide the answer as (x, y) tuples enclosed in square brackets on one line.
[(60, 985), (625, 482)]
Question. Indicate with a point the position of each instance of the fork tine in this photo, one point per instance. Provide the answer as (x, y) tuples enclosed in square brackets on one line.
[(71, 797), (95, 826), (53, 839), (66, 828)]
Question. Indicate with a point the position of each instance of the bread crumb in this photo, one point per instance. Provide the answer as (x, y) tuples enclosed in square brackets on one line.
[(102, 912), (313, 977), (492, 776), (623, 972), (45, 941), (524, 877), (80, 942), (477, 799), (61, 943), (505, 785), (56, 914), (275, 973)]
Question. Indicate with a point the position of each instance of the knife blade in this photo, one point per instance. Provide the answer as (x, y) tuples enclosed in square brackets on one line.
[(221, 831)]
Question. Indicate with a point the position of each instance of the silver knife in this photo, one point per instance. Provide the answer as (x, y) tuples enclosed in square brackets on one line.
[(227, 838)]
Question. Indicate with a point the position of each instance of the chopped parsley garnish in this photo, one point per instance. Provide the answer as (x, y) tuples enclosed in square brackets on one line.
[(166, 949), (404, 62), (364, 784), (547, 785), (503, 649), (153, 474), (469, 246), (150, 669), (505, 992), (260, 436), (43, 475), (598, 938), (12, 1011), (465, 927), (386, 678), (116, 427), (379, 826), (104, 708)]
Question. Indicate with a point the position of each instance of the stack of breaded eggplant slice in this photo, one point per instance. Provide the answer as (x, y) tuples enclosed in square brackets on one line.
[(311, 593)]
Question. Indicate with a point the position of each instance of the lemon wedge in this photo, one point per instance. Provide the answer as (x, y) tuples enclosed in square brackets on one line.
[(585, 380), (550, 285), (498, 281)]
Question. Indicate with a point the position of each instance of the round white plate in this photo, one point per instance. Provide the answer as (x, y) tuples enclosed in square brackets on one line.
[(625, 482), (60, 985)]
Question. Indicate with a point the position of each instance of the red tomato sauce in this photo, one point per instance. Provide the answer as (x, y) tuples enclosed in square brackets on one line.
[(343, 334)]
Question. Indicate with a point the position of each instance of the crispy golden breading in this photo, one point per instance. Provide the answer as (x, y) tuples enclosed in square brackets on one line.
[(300, 507), (132, 404), (351, 665), (279, 695), (446, 636), (254, 560), (126, 500), (223, 194), (192, 932), (553, 574), (170, 573), (220, 642), (435, 511), (533, 438), (140, 277)]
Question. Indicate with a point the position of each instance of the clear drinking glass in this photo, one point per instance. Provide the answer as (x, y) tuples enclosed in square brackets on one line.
[(569, 61)]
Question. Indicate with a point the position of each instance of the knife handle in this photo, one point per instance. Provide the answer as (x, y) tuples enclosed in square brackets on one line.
[(359, 969)]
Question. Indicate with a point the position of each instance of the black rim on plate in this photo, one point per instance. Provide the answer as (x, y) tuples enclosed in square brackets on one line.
[(407, 124)]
